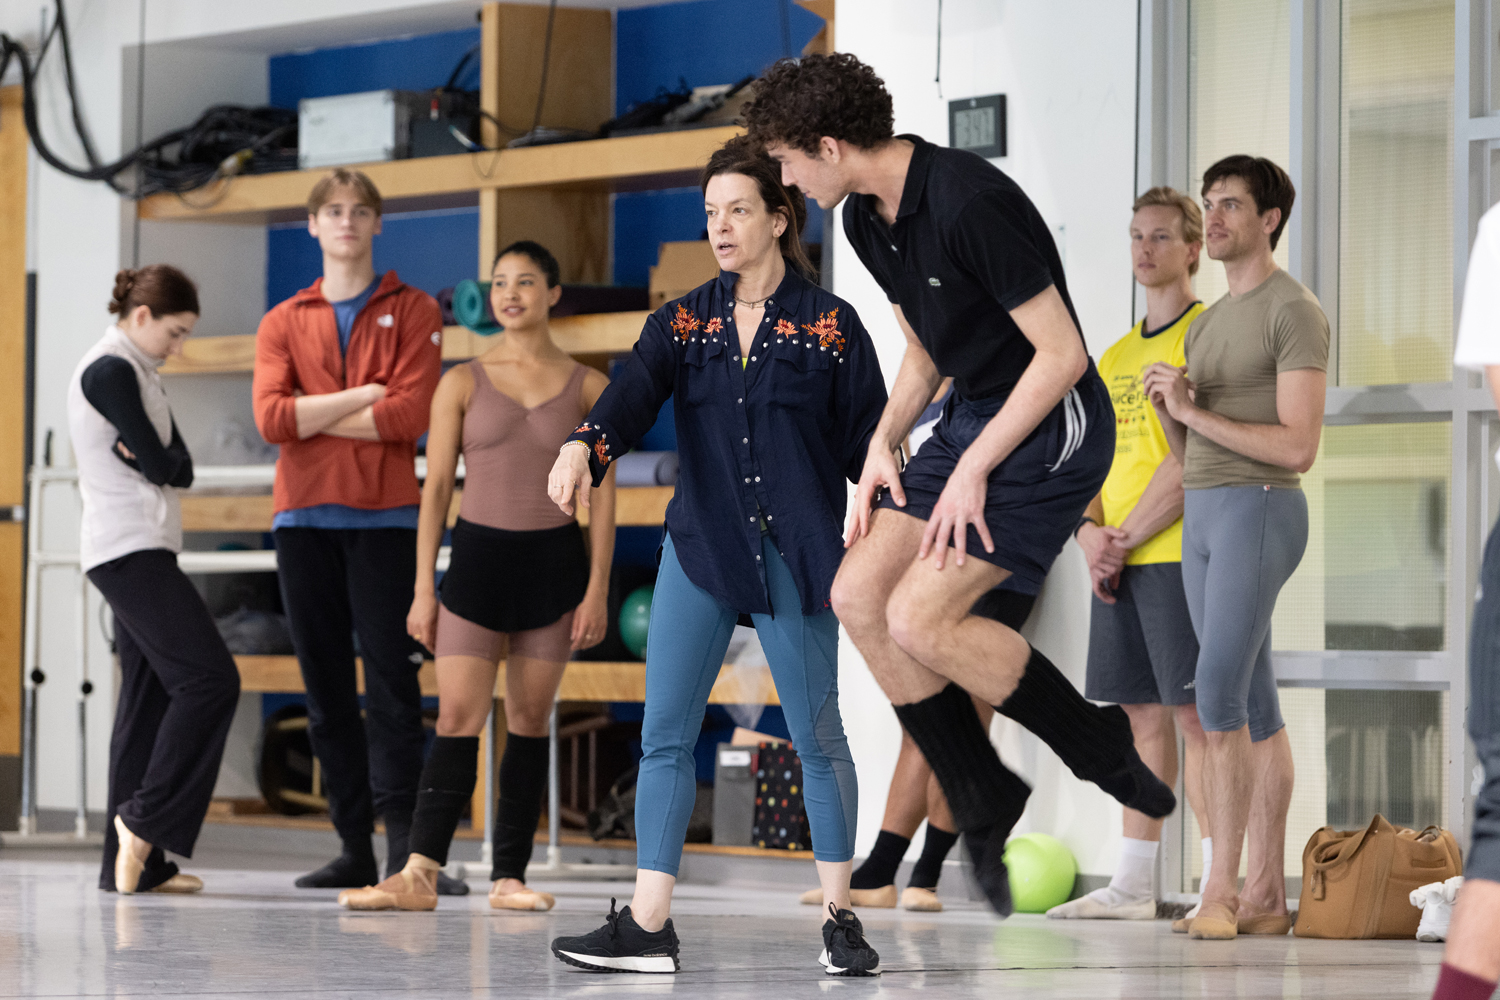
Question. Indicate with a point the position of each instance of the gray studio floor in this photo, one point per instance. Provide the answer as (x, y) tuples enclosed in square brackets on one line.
[(252, 934)]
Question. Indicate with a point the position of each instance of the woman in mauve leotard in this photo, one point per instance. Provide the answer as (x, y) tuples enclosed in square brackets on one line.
[(521, 584)]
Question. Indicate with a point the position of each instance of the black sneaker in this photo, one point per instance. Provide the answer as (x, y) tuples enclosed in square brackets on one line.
[(622, 946), (845, 950)]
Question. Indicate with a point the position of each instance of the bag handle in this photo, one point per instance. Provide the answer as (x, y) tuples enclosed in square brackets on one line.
[(1336, 852)]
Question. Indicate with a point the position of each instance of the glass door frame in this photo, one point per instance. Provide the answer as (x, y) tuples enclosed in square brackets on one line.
[(1162, 157)]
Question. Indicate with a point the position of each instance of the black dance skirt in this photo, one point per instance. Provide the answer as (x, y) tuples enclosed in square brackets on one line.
[(513, 581)]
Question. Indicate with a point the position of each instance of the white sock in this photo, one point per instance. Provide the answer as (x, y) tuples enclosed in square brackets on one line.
[(1133, 875), (1208, 861)]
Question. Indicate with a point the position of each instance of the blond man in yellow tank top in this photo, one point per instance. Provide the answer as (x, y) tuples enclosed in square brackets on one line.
[(1142, 649)]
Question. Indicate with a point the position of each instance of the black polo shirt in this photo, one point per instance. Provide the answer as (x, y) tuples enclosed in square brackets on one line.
[(967, 247)]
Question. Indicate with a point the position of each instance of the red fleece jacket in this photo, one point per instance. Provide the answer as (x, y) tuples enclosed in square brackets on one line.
[(396, 341)]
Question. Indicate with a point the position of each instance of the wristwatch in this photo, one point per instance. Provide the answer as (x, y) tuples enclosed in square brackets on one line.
[(1086, 520)]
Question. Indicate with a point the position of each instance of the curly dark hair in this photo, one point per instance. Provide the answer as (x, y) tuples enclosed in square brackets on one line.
[(798, 101)]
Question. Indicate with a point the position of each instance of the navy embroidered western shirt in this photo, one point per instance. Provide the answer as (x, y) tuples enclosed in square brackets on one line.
[(773, 436)]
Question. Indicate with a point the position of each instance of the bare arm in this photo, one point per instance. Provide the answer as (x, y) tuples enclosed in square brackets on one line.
[(1158, 507), (359, 425), (1291, 442), (1060, 361), (444, 440), (591, 620), (318, 414), (1492, 375), (916, 381)]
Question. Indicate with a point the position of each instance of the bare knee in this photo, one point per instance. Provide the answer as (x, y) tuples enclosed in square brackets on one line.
[(911, 626), (457, 719), (1191, 726), (1146, 718), (858, 609), (528, 720)]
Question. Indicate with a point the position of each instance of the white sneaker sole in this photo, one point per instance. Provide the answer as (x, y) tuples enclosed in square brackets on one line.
[(628, 963), (834, 970)]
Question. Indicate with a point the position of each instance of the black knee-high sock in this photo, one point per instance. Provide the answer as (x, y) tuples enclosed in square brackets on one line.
[(523, 779), (446, 786), (1092, 741), (1096, 743), (879, 869), (981, 791)]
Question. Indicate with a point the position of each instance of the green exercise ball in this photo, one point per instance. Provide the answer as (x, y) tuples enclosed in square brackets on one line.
[(635, 619), (1042, 872)]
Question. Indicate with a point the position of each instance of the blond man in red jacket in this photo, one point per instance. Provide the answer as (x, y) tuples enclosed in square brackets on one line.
[(344, 376)]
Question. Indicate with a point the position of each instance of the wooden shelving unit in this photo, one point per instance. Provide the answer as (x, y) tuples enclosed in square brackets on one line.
[(669, 159), (635, 506), (597, 333), (584, 680)]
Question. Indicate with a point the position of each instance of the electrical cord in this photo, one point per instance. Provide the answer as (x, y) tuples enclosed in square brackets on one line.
[(224, 140)]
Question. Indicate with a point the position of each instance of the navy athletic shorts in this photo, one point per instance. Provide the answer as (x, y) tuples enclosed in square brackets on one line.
[(1038, 494)]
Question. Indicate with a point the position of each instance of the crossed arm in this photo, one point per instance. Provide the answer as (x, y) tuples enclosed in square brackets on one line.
[(349, 413)]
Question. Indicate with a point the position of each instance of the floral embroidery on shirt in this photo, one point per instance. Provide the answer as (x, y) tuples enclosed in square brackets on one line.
[(714, 325), (826, 330), (785, 329), (601, 450), (582, 428), (684, 323)]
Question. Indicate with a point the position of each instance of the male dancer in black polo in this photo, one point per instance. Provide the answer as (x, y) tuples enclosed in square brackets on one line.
[(1023, 446)]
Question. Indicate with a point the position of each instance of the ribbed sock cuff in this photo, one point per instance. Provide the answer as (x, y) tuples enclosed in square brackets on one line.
[(929, 867), (1456, 984), (879, 869), (945, 727)]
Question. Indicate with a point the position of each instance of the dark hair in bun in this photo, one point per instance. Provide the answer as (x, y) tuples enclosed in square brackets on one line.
[(159, 287)]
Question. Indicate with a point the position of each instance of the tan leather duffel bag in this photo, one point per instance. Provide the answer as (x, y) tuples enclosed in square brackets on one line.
[(1356, 883)]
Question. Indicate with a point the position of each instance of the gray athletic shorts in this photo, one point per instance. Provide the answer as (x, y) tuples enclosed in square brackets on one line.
[(1142, 650)]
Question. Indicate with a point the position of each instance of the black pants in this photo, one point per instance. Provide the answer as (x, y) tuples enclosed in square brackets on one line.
[(1484, 714), (336, 584), (178, 690)]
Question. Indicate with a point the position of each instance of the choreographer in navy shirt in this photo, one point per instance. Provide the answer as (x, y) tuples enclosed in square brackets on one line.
[(776, 392)]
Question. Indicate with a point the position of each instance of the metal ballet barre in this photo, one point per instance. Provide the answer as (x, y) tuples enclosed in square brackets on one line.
[(255, 561)]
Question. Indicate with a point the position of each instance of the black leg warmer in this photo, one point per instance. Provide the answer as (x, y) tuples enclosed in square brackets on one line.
[(523, 781), (446, 786), (1095, 743), (986, 797)]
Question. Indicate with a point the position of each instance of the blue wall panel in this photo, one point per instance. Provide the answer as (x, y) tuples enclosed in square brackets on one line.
[(420, 62), (704, 42), (428, 250)]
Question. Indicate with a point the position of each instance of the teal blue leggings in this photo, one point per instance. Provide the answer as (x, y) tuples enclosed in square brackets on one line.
[(689, 635)]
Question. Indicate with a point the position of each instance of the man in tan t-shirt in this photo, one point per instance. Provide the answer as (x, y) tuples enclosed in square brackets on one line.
[(1246, 416)]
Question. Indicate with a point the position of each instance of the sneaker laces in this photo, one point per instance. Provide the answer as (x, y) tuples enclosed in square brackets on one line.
[(613, 919), (853, 935)]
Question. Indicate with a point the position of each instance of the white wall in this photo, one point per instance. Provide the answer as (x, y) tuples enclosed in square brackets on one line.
[(1067, 68)]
